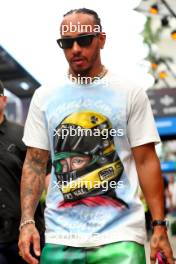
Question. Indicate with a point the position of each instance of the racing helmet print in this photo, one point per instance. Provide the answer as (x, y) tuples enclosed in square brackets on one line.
[(83, 162)]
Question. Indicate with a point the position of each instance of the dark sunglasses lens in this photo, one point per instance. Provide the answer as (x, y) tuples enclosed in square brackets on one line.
[(65, 43), (85, 40)]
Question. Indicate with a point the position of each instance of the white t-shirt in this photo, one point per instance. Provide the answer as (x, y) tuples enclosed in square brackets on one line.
[(92, 197)]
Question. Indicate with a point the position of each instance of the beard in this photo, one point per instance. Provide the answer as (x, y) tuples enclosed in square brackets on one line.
[(82, 72), (85, 72)]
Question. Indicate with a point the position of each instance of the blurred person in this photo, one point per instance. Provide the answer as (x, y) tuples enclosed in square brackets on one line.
[(167, 194), (84, 222), (12, 155), (172, 192)]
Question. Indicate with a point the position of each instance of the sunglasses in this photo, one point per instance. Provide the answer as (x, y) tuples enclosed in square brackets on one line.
[(82, 41)]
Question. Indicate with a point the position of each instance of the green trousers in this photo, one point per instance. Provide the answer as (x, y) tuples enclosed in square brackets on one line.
[(115, 253)]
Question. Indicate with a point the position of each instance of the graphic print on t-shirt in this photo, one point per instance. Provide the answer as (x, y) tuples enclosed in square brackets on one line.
[(86, 163)]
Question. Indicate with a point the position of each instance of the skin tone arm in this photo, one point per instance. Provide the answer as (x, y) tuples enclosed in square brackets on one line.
[(151, 182), (32, 185)]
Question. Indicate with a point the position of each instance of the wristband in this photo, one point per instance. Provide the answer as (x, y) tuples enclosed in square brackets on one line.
[(160, 223), (26, 222)]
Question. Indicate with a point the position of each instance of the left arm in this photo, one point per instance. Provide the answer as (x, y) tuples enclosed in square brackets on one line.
[(151, 182)]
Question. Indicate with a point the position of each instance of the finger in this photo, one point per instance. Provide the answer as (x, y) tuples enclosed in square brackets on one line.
[(170, 260), (36, 244), (26, 254), (168, 254), (152, 260), (23, 246), (30, 259), (153, 254)]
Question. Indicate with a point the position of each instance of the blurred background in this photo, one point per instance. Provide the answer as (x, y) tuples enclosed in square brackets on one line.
[(141, 44)]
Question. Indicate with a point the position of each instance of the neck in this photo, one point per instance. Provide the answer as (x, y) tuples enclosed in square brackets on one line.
[(89, 75)]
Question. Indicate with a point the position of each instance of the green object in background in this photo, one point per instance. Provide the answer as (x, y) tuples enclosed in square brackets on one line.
[(173, 228)]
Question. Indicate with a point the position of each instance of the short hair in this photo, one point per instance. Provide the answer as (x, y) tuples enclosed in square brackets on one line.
[(88, 12)]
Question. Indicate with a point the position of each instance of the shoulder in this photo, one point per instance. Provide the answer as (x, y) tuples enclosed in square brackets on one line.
[(47, 92), (123, 83)]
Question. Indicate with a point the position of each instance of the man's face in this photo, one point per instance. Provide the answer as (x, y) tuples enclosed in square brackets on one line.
[(74, 163), (3, 103), (82, 59)]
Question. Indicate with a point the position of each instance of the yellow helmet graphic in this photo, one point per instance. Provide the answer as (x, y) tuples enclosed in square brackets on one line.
[(85, 160)]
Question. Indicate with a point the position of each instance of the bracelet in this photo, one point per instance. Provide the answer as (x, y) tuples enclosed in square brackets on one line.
[(26, 222)]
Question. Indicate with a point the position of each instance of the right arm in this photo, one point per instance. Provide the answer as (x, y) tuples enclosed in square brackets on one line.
[(32, 184)]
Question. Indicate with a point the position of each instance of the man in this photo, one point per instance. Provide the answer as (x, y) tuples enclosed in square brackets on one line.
[(172, 192), (12, 155), (84, 223)]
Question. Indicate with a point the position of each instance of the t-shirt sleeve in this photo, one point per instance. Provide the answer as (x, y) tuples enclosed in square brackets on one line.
[(35, 130), (141, 128)]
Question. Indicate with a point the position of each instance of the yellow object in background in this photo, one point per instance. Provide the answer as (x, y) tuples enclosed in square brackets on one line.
[(163, 75), (173, 35), (154, 10)]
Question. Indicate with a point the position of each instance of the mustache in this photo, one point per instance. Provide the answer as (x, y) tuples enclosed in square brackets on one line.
[(76, 58)]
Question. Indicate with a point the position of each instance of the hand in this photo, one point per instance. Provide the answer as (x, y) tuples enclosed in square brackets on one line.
[(160, 242), (29, 235)]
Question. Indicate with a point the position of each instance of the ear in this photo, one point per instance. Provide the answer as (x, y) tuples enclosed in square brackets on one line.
[(102, 39), (5, 100)]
